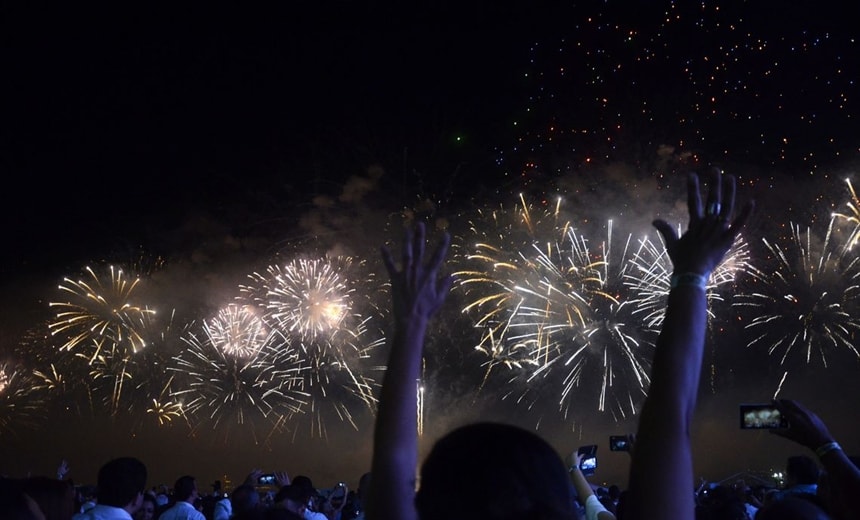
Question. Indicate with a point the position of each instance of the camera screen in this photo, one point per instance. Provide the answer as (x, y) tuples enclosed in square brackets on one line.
[(761, 416), (589, 463), (266, 479), (618, 443)]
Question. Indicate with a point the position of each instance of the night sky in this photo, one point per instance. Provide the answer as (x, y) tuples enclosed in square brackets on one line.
[(193, 146)]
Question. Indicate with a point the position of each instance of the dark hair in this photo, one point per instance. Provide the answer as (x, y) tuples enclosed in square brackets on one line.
[(120, 480), (15, 504), (56, 498), (803, 469), (494, 471), (302, 481), (244, 498), (184, 488)]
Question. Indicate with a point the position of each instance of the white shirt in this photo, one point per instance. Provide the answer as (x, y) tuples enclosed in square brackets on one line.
[(103, 512), (223, 509), (182, 511), (309, 515)]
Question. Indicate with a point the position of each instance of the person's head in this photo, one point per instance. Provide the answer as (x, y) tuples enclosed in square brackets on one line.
[(56, 498), (121, 483), (244, 498), (294, 498), (304, 481), (185, 489), (147, 508), (15, 504), (614, 491), (800, 469), (494, 471)]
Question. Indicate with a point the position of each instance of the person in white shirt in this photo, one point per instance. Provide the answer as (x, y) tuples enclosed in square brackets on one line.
[(185, 493), (121, 484)]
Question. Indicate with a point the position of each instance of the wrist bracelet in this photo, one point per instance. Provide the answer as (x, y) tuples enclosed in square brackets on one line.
[(691, 279), (827, 448)]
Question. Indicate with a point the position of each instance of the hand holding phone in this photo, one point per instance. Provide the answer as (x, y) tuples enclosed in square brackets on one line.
[(587, 459)]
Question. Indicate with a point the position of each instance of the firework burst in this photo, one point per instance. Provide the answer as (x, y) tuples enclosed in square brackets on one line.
[(553, 310), (21, 402), (805, 302), (217, 387), (325, 308), (100, 313)]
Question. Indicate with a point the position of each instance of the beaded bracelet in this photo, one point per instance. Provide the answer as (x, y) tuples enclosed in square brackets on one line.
[(827, 448), (693, 279)]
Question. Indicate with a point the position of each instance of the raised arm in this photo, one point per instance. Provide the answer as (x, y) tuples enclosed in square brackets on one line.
[(661, 473), (594, 510), (417, 293)]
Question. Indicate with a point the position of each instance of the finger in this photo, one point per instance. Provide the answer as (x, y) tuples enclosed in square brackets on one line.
[(441, 251), (741, 220), (666, 231), (728, 202), (388, 260), (694, 198), (407, 248), (443, 287), (418, 242), (714, 193)]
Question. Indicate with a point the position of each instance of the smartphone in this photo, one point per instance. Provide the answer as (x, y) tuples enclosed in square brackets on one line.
[(618, 443), (266, 480), (761, 416), (588, 465)]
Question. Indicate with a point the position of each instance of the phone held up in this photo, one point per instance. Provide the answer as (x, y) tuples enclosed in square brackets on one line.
[(761, 416), (266, 480), (588, 464), (618, 443)]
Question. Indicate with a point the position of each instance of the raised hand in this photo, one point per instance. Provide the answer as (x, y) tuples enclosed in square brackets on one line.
[(417, 290), (804, 427), (711, 230)]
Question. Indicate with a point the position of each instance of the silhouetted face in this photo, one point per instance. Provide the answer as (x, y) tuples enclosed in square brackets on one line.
[(146, 511)]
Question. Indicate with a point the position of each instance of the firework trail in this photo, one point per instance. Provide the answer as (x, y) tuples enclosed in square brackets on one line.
[(325, 308), (853, 218), (805, 302), (165, 410)]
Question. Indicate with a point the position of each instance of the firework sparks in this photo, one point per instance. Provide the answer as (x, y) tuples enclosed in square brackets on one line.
[(652, 272), (547, 304), (237, 330), (221, 388), (307, 297), (21, 404), (853, 218), (807, 301), (100, 313), (319, 305)]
